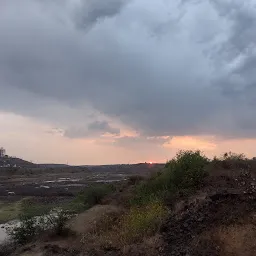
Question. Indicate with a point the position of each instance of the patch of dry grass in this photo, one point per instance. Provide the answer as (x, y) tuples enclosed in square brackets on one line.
[(150, 246), (123, 230), (238, 239), (232, 240), (96, 220), (141, 222)]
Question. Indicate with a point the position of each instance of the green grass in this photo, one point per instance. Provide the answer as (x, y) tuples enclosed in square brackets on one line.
[(13, 210), (141, 222), (27, 207), (9, 211), (31, 209)]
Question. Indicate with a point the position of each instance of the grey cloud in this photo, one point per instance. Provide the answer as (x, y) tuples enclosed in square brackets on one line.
[(56, 131), (76, 132), (238, 83), (92, 11), (140, 142), (96, 128), (103, 126), (186, 79)]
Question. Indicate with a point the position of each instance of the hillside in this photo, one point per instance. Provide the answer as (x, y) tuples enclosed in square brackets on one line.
[(139, 169), (52, 165), (15, 162), (193, 206)]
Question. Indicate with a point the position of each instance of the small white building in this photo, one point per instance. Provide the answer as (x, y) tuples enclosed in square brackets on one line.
[(2, 152)]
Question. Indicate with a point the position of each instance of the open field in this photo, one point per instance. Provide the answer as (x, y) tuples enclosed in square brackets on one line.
[(57, 184)]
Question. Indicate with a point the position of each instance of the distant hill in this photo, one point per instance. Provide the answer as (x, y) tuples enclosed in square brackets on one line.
[(132, 169), (15, 162), (52, 165)]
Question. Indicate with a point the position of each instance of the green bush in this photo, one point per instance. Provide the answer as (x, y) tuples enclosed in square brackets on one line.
[(149, 190), (233, 156), (135, 179), (185, 172), (26, 231), (91, 196), (31, 226), (56, 221), (231, 160), (34, 218)]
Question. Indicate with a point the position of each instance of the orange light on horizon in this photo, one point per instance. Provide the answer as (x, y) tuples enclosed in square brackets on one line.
[(150, 162)]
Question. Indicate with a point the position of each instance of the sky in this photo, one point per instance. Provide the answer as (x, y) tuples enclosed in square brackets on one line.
[(126, 81)]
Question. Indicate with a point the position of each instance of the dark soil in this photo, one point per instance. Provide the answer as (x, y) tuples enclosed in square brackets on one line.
[(227, 201)]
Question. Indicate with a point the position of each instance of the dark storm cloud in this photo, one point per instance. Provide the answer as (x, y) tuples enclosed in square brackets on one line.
[(164, 68)]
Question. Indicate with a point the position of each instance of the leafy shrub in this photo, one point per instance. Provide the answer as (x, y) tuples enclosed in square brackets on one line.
[(185, 172), (135, 179), (56, 221), (26, 231), (187, 169), (32, 226), (152, 189), (233, 156), (231, 160), (91, 196)]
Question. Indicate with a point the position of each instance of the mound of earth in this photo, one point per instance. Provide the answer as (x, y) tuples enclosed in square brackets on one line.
[(219, 222), (85, 222)]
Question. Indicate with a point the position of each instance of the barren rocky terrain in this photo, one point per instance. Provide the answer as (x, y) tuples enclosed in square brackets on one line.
[(219, 220)]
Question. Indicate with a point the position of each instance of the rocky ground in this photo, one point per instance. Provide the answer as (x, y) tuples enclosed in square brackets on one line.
[(220, 220)]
